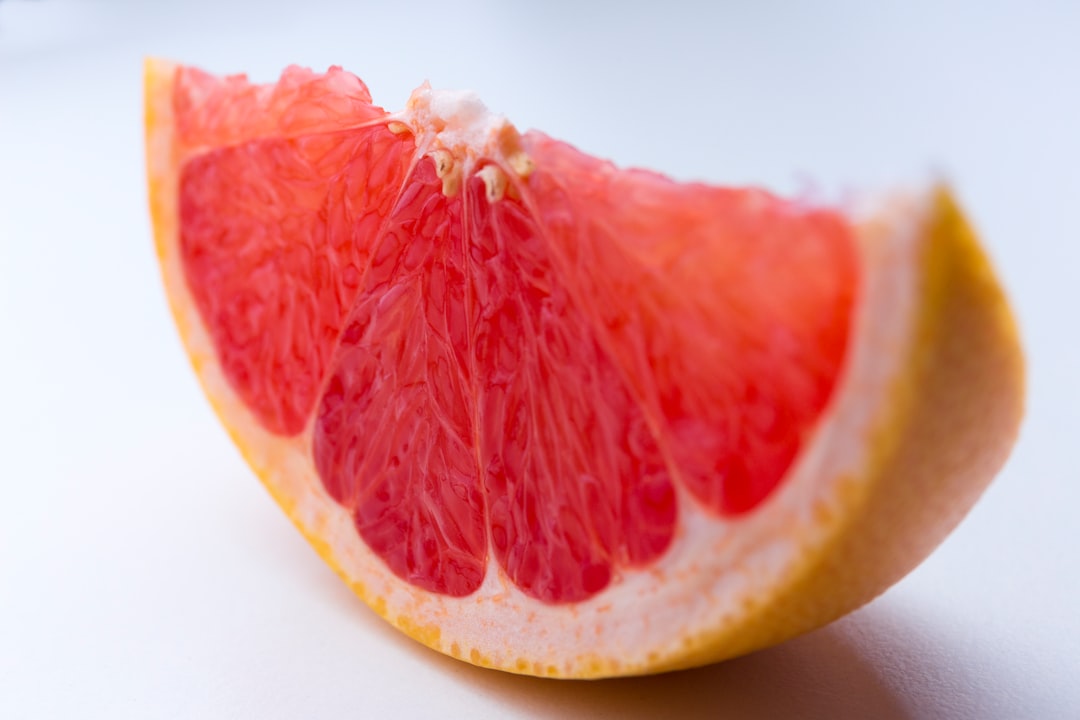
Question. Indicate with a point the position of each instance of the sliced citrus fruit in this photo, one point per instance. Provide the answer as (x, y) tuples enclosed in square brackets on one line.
[(558, 418)]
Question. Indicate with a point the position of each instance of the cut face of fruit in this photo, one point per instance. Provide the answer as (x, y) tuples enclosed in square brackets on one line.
[(543, 369), (549, 415)]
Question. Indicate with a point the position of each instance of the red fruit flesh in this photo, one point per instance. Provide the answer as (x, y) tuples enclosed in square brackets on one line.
[(727, 311), (575, 482), (275, 235), (530, 378), (393, 437)]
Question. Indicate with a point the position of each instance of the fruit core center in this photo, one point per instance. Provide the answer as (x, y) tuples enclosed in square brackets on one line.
[(454, 120), (462, 135)]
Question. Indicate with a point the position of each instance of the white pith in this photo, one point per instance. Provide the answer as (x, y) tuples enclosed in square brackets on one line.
[(456, 129), (458, 118), (716, 571)]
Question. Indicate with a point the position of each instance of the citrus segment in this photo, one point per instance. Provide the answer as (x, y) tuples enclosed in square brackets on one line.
[(557, 417), (728, 311), (576, 485), (276, 236), (394, 438)]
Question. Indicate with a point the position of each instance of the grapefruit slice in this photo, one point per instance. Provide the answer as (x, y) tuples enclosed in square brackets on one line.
[(558, 418)]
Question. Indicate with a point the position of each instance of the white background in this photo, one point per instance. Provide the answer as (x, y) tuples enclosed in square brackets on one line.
[(145, 574)]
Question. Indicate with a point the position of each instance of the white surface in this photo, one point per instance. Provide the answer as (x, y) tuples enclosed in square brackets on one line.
[(144, 573)]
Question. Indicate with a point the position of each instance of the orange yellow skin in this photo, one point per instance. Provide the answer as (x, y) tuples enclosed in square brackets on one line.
[(953, 416)]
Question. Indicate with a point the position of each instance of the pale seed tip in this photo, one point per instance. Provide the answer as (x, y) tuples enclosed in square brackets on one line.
[(494, 182), (521, 164), (451, 184), (444, 162)]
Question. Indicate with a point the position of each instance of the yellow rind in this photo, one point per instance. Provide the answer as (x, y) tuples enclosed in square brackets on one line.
[(953, 416)]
